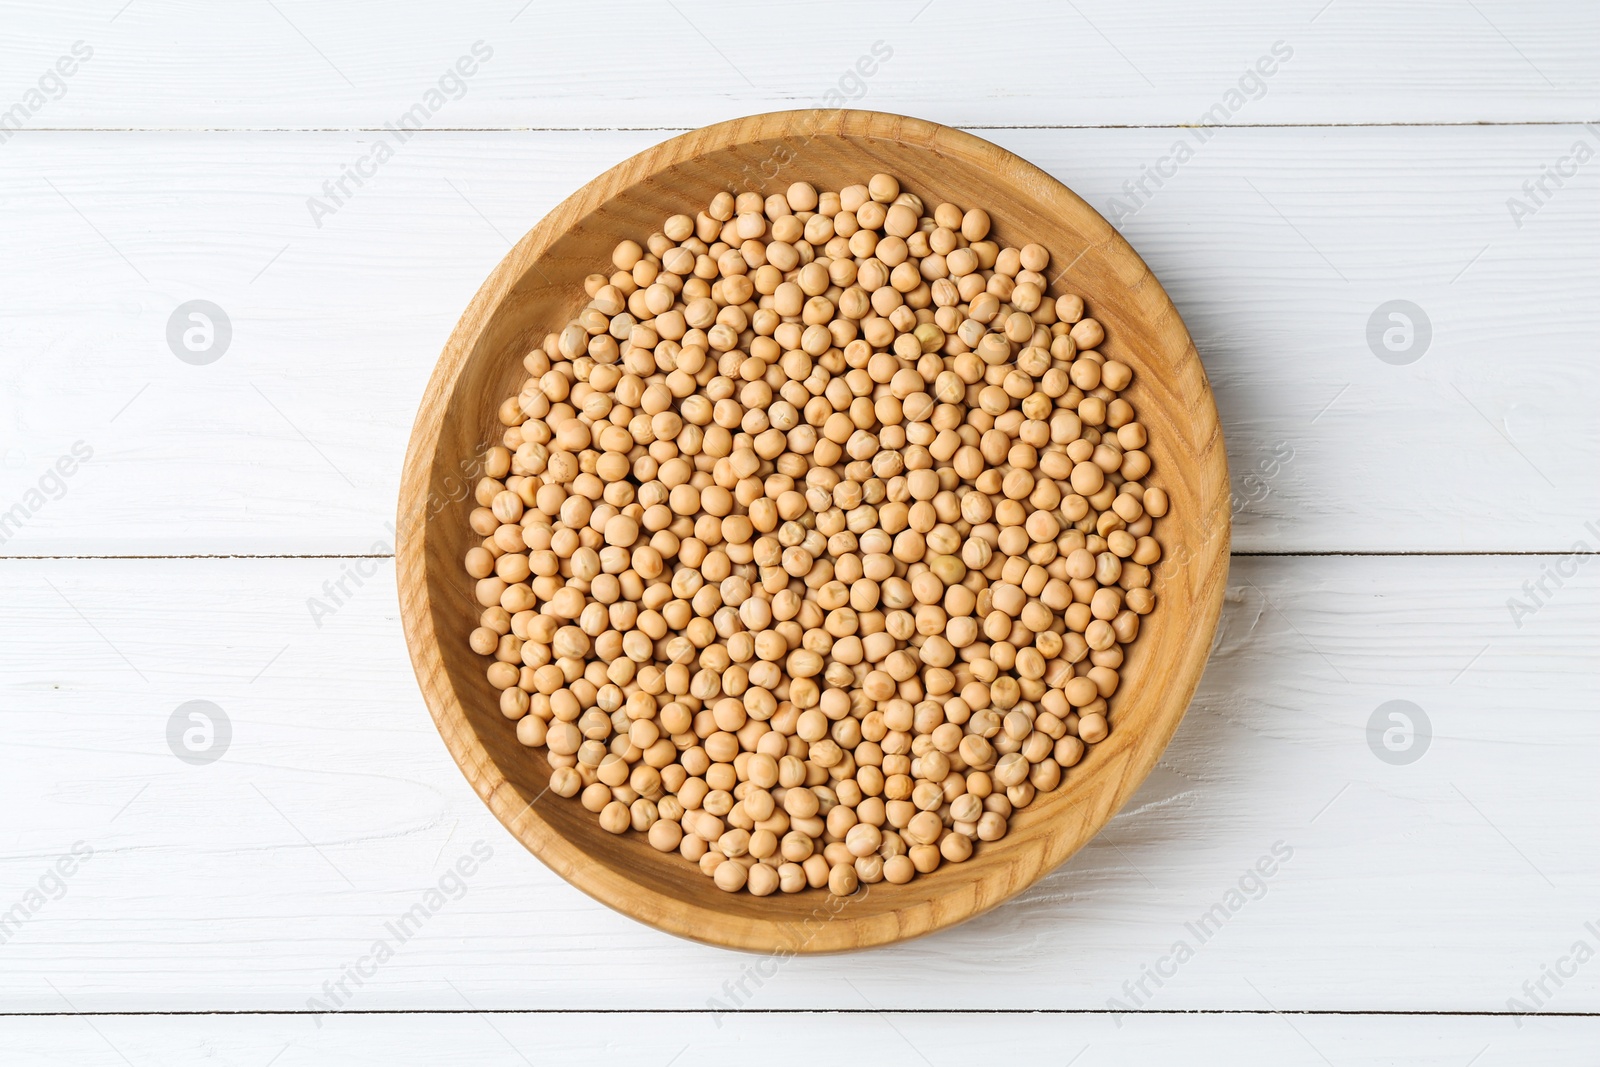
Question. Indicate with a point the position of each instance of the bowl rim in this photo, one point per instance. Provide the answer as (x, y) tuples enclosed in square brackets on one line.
[(637, 899)]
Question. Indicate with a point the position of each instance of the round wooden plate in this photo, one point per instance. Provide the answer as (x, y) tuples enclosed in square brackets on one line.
[(538, 287)]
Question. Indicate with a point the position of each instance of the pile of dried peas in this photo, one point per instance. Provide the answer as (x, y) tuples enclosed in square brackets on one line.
[(814, 540)]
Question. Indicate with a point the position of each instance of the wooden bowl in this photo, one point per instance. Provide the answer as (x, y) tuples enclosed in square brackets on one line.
[(538, 287)]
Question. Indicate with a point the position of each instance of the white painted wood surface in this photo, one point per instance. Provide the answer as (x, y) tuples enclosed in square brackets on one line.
[(175, 163), (1277, 245), (495, 1040), (296, 64), (246, 884)]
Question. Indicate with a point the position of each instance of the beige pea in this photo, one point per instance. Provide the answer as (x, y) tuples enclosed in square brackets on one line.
[(665, 835), (900, 221), (730, 876), (762, 880), (899, 870), (924, 828), (843, 880), (991, 826), (615, 818), (613, 769), (863, 839), (1069, 749), (956, 848), (975, 224), (883, 188), (791, 877), (1087, 334), (1093, 729), (1087, 478), (1140, 601), (803, 803), (796, 847), (1081, 692), (563, 738), (565, 782)]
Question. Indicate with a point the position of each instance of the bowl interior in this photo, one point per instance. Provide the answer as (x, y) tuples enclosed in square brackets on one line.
[(539, 287)]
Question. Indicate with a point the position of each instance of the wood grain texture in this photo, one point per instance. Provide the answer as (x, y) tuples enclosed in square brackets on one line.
[(223, 887), (498, 1040), (1443, 885), (364, 64), (292, 442), (538, 288)]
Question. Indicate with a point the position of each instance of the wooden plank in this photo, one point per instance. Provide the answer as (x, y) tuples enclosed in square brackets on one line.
[(291, 442), (246, 884), (510, 1040), (301, 65)]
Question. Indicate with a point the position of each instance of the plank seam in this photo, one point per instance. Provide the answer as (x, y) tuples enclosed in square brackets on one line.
[(1360, 1012), (1575, 121), (1292, 554)]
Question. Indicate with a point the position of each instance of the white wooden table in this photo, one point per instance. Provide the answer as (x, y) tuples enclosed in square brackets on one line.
[(1396, 501)]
